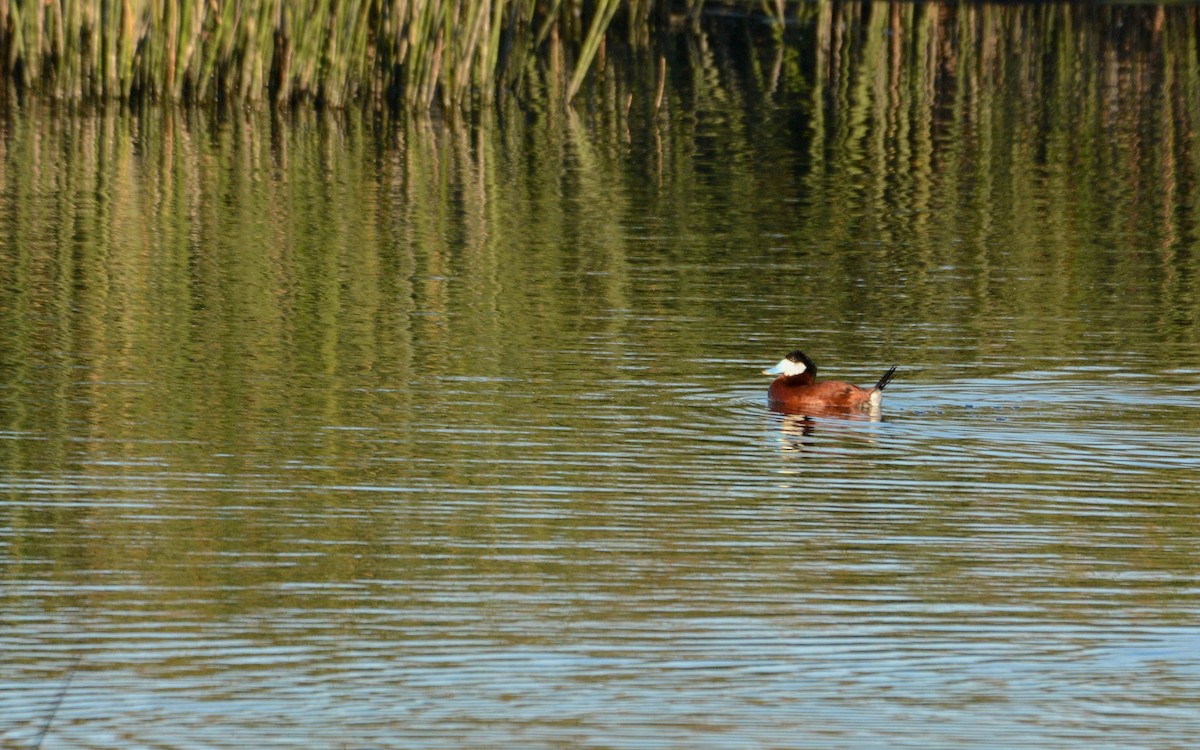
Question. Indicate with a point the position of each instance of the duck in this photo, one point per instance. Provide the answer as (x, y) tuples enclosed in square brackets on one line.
[(796, 390)]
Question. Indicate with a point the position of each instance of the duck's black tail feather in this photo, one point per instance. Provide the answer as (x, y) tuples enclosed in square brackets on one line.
[(887, 378)]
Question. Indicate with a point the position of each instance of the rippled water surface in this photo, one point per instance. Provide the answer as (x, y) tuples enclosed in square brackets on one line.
[(333, 433)]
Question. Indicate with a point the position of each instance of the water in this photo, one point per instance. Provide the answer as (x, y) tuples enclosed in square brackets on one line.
[(339, 433)]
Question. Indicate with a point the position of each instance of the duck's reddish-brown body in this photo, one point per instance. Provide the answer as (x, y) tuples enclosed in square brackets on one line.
[(800, 392)]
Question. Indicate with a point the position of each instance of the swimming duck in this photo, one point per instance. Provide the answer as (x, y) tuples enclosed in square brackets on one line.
[(796, 390)]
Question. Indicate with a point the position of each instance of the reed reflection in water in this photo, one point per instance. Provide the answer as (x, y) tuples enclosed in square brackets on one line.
[(333, 432)]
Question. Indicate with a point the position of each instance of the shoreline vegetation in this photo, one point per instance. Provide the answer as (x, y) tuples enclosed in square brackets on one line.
[(460, 56)]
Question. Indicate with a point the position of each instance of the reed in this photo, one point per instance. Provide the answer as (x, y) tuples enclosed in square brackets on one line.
[(414, 53), (465, 55)]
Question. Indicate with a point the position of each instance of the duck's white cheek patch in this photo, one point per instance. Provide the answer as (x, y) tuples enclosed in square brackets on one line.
[(790, 368), (787, 368)]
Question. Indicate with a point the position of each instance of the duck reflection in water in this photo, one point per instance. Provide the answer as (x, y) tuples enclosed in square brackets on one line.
[(795, 391)]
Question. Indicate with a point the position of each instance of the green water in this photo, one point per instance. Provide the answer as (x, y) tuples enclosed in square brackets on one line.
[(330, 431)]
